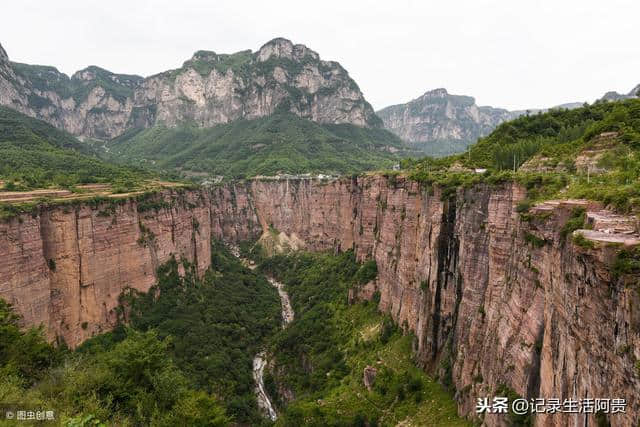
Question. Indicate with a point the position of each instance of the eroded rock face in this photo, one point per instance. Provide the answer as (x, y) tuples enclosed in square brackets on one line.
[(209, 89), (66, 267), (489, 305), (491, 298), (438, 116)]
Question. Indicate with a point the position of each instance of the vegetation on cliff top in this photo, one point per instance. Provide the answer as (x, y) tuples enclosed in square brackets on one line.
[(47, 78), (281, 142), (609, 169)]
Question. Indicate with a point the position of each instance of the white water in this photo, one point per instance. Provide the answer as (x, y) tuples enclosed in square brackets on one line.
[(260, 360), (264, 403), (287, 311)]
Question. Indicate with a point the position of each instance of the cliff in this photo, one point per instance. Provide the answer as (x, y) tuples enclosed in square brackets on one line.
[(493, 299), (66, 267), (208, 89)]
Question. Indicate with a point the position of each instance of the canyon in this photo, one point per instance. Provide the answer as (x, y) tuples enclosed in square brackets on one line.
[(493, 298)]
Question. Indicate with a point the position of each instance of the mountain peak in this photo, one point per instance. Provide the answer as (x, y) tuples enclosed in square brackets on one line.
[(284, 48), (436, 93)]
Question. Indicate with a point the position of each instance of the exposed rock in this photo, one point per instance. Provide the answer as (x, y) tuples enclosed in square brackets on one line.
[(438, 116), (615, 96), (495, 307), (208, 89), (66, 267), (440, 123), (369, 377), (539, 163), (487, 307)]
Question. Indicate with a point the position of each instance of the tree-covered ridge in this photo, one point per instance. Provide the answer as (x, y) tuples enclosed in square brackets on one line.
[(320, 357), (281, 142), (34, 154), (591, 152), (557, 134)]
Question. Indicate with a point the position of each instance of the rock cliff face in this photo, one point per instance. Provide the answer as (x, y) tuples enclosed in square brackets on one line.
[(492, 299), (66, 267), (440, 117), (489, 304), (208, 89)]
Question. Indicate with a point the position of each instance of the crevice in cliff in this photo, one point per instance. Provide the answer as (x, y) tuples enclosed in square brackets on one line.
[(533, 382), (173, 227), (77, 226), (447, 249)]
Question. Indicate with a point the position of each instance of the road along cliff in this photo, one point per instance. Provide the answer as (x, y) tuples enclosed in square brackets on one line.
[(497, 299)]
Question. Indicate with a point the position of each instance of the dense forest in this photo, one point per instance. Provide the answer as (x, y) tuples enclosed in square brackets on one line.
[(36, 155), (320, 357), (281, 142)]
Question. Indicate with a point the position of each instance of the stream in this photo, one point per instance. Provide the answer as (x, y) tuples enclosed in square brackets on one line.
[(260, 360)]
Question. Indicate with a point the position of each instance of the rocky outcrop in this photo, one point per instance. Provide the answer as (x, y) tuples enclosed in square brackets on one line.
[(369, 377), (615, 96), (208, 89), (438, 117), (495, 299)]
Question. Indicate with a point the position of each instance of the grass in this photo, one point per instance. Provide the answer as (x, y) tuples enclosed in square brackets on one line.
[(558, 137)]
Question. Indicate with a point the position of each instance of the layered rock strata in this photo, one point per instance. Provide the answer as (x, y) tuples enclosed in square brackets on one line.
[(494, 298), (66, 267)]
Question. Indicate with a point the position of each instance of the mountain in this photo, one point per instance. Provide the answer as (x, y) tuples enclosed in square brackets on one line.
[(615, 96), (209, 89), (441, 123), (35, 155), (281, 142)]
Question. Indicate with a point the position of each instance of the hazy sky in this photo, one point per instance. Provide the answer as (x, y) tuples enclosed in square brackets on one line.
[(512, 54)]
